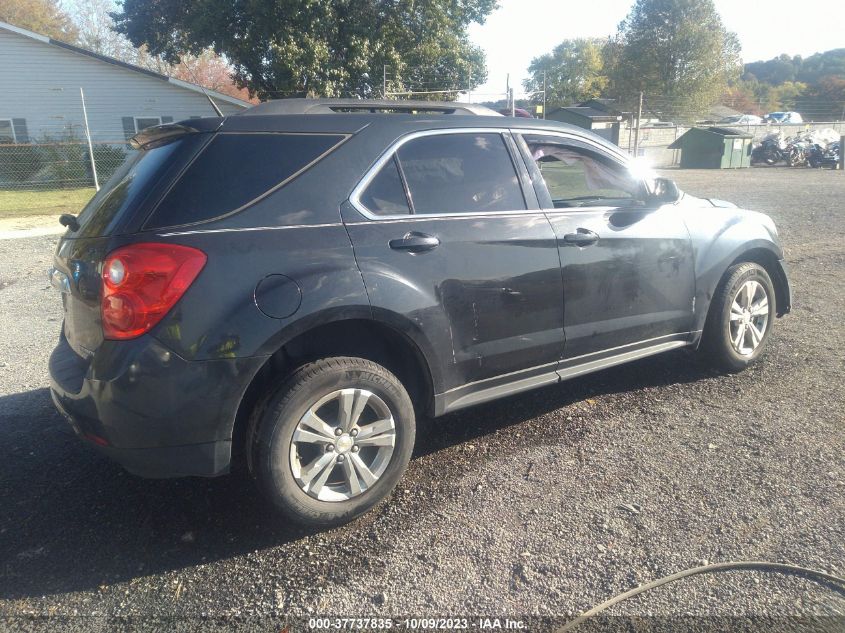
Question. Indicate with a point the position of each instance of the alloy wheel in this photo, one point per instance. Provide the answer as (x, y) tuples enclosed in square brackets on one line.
[(342, 445), (749, 317)]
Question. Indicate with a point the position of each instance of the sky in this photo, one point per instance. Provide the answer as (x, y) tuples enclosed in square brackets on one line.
[(523, 29)]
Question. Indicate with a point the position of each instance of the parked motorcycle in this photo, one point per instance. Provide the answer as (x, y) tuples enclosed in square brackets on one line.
[(796, 153), (770, 152), (818, 156)]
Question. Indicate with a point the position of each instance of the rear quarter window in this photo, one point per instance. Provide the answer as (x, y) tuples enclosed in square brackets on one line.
[(138, 179), (234, 170)]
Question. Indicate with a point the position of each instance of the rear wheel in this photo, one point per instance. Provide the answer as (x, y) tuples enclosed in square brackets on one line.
[(333, 441), (740, 318)]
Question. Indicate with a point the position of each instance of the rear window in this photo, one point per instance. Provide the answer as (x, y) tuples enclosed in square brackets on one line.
[(131, 184), (235, 169)]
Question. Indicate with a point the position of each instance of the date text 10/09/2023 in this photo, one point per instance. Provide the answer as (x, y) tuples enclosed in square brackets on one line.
[(418, 624)]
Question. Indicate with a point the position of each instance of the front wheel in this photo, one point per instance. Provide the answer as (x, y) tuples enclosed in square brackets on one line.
[(740, 318), (333, 441)]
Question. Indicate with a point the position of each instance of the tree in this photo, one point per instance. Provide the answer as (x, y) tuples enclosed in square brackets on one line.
[(755, 97), (774, 71), (209, 70), (574, 72), (319, 47), (677, 52), (824, 101), (41, 16), (96, 32)]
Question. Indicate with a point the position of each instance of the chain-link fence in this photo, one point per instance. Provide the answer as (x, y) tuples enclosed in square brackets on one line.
[(63, 163), (54, 175)]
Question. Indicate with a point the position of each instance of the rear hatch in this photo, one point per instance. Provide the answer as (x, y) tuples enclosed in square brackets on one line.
[(117, 211)]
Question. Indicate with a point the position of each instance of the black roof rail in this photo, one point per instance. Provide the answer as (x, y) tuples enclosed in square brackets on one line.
[(365, 106)]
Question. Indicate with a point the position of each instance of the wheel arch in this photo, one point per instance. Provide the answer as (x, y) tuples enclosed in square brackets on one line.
[(773, 266), (398, 350), (763, 253)]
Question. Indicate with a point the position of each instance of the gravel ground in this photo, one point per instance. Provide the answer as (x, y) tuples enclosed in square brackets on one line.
[(543, 504)]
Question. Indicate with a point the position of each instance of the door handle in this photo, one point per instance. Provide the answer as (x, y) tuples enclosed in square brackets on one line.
[(414, 242), (582, 237)]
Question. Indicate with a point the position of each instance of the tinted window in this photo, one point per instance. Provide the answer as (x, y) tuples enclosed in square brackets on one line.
[(577, 177), (385, 194), (460, 173), (235, 169), (133, 182)]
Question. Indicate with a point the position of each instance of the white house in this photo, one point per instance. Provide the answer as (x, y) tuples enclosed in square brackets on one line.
[(40, 95)]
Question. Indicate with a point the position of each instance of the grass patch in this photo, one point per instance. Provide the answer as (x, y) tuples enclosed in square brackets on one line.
[(16, 204)]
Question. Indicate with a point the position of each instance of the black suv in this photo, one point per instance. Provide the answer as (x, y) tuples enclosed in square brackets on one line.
[(296, 283)]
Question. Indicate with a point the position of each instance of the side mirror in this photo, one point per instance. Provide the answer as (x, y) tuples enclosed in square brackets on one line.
[(663, 191)]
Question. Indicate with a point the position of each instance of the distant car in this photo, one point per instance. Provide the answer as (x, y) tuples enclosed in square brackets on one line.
[(783, 117), (741, 119)]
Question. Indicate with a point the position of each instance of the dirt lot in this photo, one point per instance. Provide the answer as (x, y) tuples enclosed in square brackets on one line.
[(545, 504)]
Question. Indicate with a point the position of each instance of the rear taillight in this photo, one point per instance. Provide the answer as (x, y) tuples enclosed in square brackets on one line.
[(142, 282)]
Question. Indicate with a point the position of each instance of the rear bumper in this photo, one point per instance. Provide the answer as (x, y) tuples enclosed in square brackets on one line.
[(151, 411)]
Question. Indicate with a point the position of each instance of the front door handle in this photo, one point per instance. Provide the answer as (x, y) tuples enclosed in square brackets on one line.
[(414, 242), (582, 237)]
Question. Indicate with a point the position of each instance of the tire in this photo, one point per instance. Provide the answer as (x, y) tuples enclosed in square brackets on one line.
[(722, 328), (310, 473)]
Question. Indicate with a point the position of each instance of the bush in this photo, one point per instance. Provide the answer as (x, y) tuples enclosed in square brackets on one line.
[(19, 163), (108, 158), (57, 161)]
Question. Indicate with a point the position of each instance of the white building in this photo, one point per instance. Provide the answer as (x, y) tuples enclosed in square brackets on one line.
[(40, 95)]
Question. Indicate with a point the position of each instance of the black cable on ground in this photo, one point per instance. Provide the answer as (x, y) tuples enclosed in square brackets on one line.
[(838, 584)]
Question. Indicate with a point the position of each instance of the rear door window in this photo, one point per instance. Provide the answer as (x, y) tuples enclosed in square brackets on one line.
[(385, 195), (236, 169), (460, 173)]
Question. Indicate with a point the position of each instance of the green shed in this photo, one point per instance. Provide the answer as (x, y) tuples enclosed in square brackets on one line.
[(714, 148)]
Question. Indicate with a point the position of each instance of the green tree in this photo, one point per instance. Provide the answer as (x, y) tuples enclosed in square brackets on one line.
[(319, 47), (677, 52), (574, 72), (816, 68), (41, 16), (756, 97), (774, 71)]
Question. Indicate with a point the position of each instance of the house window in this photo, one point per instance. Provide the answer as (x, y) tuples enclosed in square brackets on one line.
[(143, 122), (7, 132)]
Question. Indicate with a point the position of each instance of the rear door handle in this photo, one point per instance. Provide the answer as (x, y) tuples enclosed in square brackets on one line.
[(582, 237), (414, 242)]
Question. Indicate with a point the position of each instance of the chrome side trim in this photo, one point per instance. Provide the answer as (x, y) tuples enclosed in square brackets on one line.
[(448, 402), (492, 388), (393, 219), (504, 377), (251, 228), (618, 359), (677, 336)]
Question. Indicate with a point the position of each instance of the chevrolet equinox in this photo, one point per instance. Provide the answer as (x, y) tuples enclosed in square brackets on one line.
[(296, 283)]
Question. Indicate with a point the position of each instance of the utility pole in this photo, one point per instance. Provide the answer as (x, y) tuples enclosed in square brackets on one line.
[(544, 94), (637, 130), (842, 153), (384, 82), (469, 84), (508, 91), (88, 136)]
